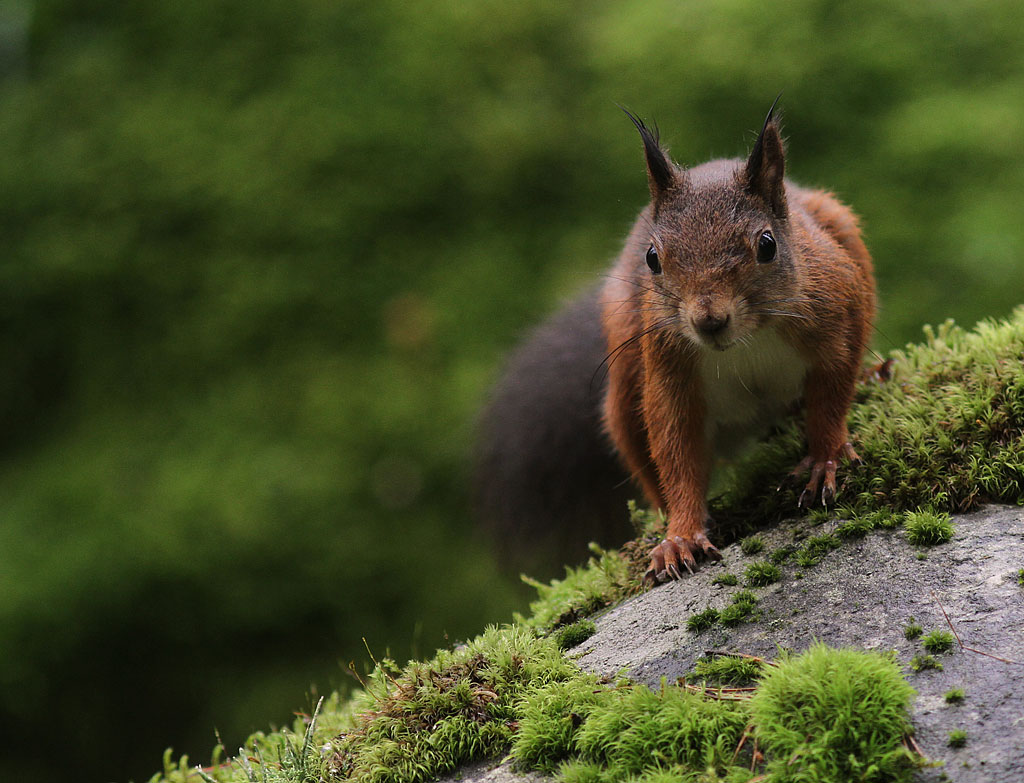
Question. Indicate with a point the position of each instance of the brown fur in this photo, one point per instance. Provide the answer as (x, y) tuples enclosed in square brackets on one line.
[(713, 296)]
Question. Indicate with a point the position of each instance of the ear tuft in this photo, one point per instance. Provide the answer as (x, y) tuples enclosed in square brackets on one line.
[(660, 171), (766, 167)]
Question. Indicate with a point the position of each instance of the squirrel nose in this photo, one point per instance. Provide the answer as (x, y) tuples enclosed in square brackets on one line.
[(710, 325)]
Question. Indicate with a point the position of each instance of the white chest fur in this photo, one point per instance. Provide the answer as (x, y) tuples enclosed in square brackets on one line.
[(748, 386)]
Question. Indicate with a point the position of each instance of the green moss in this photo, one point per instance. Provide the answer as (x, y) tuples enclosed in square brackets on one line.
[(858, 527), (645, 522), (920, 663), (728, 669), (834, 715), (751, 545), (726, 580), (781, 555), (604, 580), (912, 630), (957, 738), (548, 720), (570, 636), (884, 519), (938, 641), (955, 696), (818, 516), (762, 573), (430, 717), (1020, 577), (928, 528), (741, 610), (944, 434), (702, 621), (814, 549)]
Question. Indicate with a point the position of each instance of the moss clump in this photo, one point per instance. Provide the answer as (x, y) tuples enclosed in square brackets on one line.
[(548, 720), (927, 528), (751, 545), (702, 621), (834, 715), (641, 730), (858, 527), (957, 738), (912, 630), (570, 636), (604, 580), (762, 573), (726, 580), (427, 719), (955, 696), (728, 669), (781, 555), (815, 548), (1020, 577), (511, 692), (741, 610), (938, 641), (611, 734), (920, 663)]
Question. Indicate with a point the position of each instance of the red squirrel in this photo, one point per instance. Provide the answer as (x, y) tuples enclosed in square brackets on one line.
[(737, 294)]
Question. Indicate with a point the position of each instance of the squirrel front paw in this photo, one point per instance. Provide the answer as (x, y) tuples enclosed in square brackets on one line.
[(823, 475), (675, 553)]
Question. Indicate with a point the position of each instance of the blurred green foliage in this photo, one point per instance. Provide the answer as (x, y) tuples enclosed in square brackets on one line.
[(258, 262)]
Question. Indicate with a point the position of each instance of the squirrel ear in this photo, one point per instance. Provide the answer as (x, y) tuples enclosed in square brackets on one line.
[(660, 172), (766, 166)]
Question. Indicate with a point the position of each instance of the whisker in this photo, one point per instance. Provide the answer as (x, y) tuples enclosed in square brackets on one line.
[(608, 360), (652, 290)]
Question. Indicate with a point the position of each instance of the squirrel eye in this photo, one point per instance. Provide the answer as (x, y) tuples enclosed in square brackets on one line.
[(766, 248), (652, 260)]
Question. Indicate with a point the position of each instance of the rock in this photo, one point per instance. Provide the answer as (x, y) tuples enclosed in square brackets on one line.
[(860, 595), (863, 595)]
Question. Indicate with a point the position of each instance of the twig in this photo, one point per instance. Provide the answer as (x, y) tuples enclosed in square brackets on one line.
[(961, 641), (743, 741), (722, 694), (914, 746)]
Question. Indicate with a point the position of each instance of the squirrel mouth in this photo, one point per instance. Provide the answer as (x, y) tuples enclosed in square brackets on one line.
[(716, 342)]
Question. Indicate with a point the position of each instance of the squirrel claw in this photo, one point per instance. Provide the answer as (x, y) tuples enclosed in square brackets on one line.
[(823, 476), (671, 556)]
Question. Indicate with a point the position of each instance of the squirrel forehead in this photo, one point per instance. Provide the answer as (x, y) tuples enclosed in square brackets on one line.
[(715, 217)]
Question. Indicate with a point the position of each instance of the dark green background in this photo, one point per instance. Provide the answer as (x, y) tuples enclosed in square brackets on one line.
[(258, 263)]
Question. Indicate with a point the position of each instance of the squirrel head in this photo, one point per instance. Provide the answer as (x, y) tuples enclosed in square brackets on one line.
[(719, 251)]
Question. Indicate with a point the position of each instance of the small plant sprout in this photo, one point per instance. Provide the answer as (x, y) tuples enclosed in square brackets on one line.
[(858, 527), (762, 573), (814, 549), (957, 738), (955, 696), (741, 610), (920, 663), (927, 528), (573, 635), (938, 642), (726, 580), (702, 621), (751, 545), (912, 630)]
